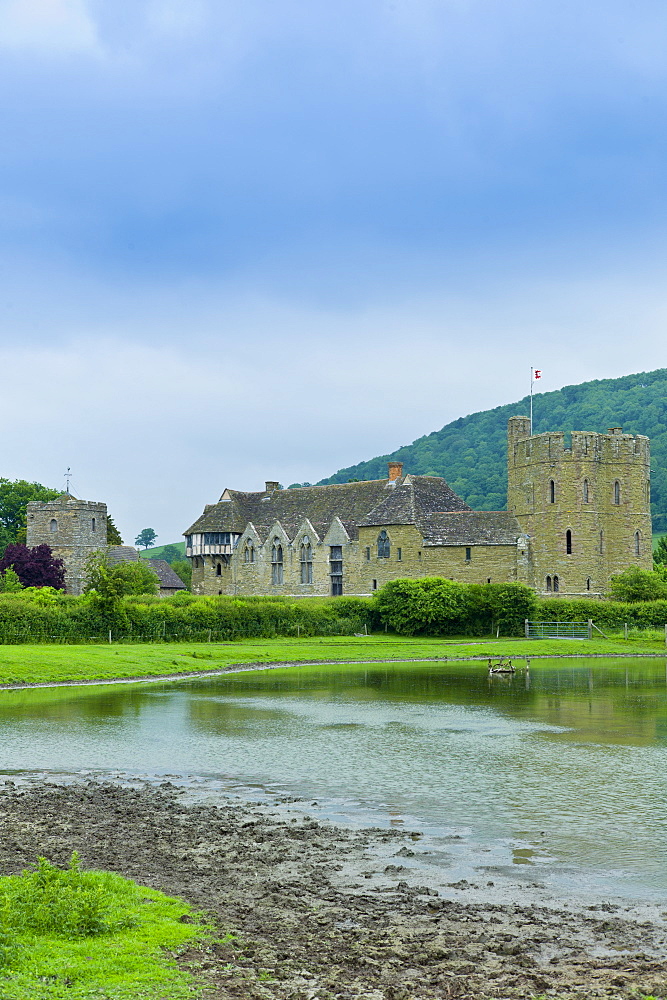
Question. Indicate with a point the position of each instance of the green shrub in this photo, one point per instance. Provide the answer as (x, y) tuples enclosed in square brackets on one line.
[(45, 899), (635, 584)]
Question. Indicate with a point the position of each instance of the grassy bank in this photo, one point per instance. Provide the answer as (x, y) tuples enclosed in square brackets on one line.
[(84, 935), (54, 664)]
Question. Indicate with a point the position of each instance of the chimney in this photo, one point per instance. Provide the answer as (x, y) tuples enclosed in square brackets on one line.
[(395, 470), (271, 487)]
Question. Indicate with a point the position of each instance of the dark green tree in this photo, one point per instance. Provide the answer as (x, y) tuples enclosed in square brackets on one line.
[(14, 498), (183, 569), (146, 537), (660, 551), (110, 581), (170, 554), (636, 584), (113, 534)]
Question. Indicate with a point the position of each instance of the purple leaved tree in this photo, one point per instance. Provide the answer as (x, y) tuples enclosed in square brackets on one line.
[(34, 567)]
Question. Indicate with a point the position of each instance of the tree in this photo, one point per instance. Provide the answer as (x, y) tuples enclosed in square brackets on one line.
[(430, 606), (146, 537), (170, 554), (111, 581), (660, 551), (34, 567), (113, 534), (14, 498), (9, 582), (636, 584), (183, 570)]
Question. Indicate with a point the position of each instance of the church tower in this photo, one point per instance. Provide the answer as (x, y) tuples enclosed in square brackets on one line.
[(584, 501), (73, 529)]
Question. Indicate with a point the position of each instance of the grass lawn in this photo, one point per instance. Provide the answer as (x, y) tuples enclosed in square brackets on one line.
[(28, 664), (84, 935)]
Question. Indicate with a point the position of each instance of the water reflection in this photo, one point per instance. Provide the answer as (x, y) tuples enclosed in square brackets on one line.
[(570, 758)]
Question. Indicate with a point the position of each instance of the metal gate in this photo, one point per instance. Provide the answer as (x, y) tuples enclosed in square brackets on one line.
[(559, 630)]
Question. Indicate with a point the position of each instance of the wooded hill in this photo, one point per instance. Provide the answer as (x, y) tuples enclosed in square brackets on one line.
[(471, 452)]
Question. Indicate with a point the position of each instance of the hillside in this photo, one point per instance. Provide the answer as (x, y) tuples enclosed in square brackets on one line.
[(471, 452)]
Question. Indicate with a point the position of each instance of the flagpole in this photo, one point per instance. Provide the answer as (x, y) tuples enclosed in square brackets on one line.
[(531, 402)]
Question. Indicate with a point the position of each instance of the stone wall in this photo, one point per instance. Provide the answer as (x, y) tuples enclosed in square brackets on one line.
[(72, 529), (596, 487)]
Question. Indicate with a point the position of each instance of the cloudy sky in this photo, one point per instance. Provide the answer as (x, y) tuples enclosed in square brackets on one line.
[(265, 239)]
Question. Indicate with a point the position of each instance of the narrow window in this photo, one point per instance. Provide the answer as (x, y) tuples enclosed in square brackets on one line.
[(601, 542), (468, 553), (556, 584), (276, 563), (93, 524), (336, 569), (586, 492), (648, 492), (384, 545), (617, 493), (549, 583), (399, 554), (368, 553), (375, 585), (588, 583), (54, 524), (552, 491), (306, 560), (419, 555), (249, 553), (218, 570), (488, 579), (637, 543), (568, 542)]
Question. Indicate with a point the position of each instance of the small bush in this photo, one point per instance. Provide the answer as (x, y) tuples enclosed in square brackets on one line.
[(45, 899)]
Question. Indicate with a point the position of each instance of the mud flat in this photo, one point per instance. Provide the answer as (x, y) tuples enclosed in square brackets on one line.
[(315, 911)]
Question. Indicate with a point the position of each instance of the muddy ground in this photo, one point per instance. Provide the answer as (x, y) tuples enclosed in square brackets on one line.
[(303, 928)]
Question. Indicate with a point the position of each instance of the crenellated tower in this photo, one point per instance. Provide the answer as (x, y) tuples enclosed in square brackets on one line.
[(583, 500), (73, 529)]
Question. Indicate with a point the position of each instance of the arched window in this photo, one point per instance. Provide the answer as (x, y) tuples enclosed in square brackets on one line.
[(384, 545), (249, 553), (552, 491), (276, 563), (568, 542), (54, 524), (601, 542), (556, 584), (617, 493), (586, 492), (218, 569), (637, 543), (648, 491), (588, 583), (306, 560), (549, 584), (93, 524)]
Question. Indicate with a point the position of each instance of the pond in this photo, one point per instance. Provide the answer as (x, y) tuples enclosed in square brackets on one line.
[(558, 773)]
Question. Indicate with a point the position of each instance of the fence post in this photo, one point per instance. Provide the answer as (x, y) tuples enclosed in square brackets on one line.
[(527, 630), (625, 630), (109, 636), (665, 635), (590, 628)]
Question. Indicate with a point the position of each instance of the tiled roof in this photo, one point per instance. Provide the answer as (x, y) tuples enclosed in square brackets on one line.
[(412, 498), (475, 527), (351, 502), (122, 554), (169, 580)]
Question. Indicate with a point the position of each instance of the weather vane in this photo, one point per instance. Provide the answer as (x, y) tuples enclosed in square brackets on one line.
[(68, 476)]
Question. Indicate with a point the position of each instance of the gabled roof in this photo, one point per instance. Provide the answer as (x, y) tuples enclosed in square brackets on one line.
[(474, 527), (377, 501), (169, 580), (122, 554)]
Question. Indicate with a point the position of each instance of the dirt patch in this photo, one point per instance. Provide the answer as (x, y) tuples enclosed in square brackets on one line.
[(291, 931)]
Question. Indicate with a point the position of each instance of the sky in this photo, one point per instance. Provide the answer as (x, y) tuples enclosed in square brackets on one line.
[(264, 240)]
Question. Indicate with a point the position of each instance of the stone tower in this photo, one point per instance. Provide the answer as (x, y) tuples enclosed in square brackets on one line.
[(584, 503), (72, 529)]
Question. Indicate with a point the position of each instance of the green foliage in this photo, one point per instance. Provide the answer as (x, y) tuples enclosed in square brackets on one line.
[(170, 553), (471, 452), (635, 584), (111, 581), (660, 551), (435, 606), (10, 583), (14, 498), (146, 537), (113, 534), (45, 899), (183, 570)]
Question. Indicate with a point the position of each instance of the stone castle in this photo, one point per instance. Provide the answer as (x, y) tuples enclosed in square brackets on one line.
[(74, 529), (578, 513)]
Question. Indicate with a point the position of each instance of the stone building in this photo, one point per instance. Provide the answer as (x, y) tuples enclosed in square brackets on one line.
[(578, 512), (73, 529)]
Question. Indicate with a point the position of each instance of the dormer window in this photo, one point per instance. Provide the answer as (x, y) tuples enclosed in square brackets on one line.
[(277, 563), (306, 554), (384, 545)]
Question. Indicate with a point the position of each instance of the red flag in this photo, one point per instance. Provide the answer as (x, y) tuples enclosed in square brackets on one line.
[(538, 373)]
